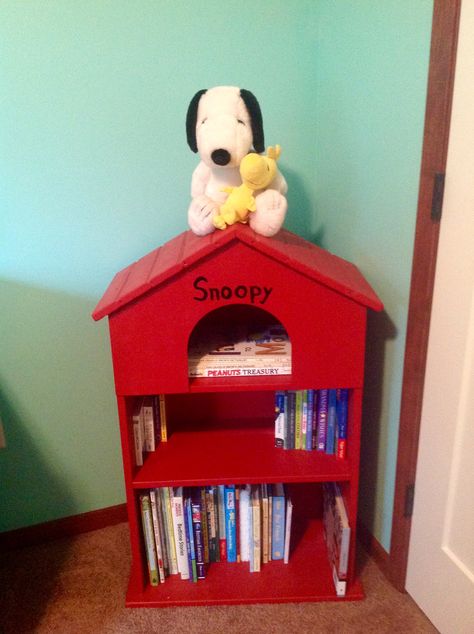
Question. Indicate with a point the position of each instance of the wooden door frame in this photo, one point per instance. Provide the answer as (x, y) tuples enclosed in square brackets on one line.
[(444, 38)]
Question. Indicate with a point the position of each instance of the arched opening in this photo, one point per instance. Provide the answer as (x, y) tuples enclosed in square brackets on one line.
[(238, 340)]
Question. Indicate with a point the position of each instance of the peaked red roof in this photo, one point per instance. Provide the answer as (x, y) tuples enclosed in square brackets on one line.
[(186, 249)]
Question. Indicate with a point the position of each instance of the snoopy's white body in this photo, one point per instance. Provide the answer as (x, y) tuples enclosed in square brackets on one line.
[(223, 123)]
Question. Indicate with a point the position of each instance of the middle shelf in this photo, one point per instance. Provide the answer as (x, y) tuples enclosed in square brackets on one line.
[(216, 456)]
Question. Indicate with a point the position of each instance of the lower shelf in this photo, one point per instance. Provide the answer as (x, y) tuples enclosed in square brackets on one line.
[(307, 577)]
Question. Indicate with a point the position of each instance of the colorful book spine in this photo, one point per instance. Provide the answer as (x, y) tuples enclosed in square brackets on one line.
[(165, 493), (341, 426), (331, 423), (137, 425), (158, 535), (278, 521), (230, 524), (322, 409), (148, 535), (298, 418), (292, 418), (163, 420), (205, 523), (279, 419), (256, 529), (309, 424)]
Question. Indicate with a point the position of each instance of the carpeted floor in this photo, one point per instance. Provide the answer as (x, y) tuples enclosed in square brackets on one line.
[(77, 585)]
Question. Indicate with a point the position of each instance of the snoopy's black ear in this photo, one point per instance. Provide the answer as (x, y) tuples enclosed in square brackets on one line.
[(255, 113), (191, 120)]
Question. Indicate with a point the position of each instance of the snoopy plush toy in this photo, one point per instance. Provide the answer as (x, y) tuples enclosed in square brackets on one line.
[(223, 125)]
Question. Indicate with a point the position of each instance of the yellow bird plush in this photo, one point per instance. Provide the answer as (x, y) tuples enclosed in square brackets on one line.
[(257, 172)]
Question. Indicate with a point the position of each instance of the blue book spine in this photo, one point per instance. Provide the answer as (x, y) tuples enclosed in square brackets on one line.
[(230, 523), (322, 419), (279, 419), (309, 424), (278, 522), (341, 425), (190, 539), (331, 425)]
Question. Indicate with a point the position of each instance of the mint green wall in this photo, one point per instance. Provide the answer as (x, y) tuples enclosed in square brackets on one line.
[(95, 172)]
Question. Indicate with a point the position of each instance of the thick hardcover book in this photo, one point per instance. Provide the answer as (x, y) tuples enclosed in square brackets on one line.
[(149, 538), (240, 350), (188, 525), (331, 424), (341, 423), (177, 511), (197, 514), (279, 419), (322, 419), (278, 521), (230, 522)]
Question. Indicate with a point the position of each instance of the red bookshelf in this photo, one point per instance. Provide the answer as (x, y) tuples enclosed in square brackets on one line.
[(221, 430)]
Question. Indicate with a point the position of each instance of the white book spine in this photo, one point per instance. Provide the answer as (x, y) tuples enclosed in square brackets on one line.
[(289, 513), (177, 510), (244, 523), (148, 425)]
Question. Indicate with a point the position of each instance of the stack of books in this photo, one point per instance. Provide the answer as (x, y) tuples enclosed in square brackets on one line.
[(187, 529), (240, 351), (337, 534), (149, 425), (312, 419)]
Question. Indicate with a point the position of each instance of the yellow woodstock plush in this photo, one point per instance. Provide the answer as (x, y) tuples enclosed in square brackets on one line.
[(257, 172)]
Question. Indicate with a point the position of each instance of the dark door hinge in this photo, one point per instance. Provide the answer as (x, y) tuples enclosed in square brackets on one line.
[(409, 500), (438, 195)]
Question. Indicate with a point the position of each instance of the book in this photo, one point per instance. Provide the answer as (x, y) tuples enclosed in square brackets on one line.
[(165, 494), (148, 415), (137, 424), (244, 526), (205, 523), (322, 414), (196, 509), (264, 518), (279, 419), (163, 419), (298, 417), (158, 534), (304, 418), (221, 523), (337, 531), (190, 545), (230, 523), (278, 521), (239, 351), (289, 516), (291, 419), (149, 538), (331, 423), (341, 423), (310, 417), (212, 523), (256, 529), (177, 510)]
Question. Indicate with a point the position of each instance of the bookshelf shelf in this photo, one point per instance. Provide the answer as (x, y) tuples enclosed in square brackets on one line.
[(240, 456), (220, 430)]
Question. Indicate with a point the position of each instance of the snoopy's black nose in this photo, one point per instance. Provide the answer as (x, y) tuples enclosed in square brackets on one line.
[(220, 157)]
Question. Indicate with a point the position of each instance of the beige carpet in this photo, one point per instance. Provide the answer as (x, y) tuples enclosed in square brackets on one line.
[(78, 585)]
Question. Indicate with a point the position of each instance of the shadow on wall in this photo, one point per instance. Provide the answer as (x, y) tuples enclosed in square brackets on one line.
[(299, 218), (28, 586), (380, 329)]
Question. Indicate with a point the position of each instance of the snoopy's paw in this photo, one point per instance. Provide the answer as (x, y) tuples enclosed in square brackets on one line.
[(201, 214), (269, 217)]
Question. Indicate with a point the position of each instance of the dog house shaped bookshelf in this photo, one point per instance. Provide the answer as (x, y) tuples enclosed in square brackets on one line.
[(220, 430)]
